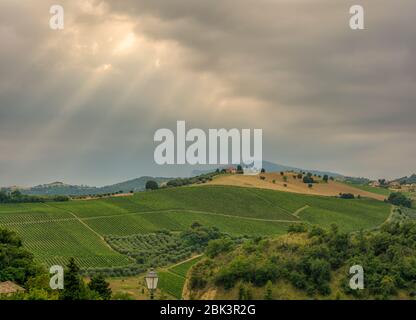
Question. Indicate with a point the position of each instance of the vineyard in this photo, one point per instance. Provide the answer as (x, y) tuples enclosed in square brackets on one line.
[(55, 242), (58, 230), (173, 279), (153, 249)]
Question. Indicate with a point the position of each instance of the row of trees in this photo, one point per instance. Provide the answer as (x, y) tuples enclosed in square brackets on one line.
[(179, 182)]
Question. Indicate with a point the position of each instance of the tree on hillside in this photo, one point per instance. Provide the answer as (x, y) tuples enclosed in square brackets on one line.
[(399, 199), (268, 295), (308, 180), (263, 170), (382, 182), (16, 264), (152, 185), (102, 287), (74, 288), (346, 196), (325, 178)]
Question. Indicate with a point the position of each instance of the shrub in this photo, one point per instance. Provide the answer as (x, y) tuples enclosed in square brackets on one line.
[(152, 185), (297, 228), (308, 179), (399, 199), (346, 196), (215, 247)]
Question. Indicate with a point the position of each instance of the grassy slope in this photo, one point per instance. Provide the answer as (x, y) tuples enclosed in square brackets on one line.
[(364, 187), (55, 242), (282, 289), (57, 231), (173, 279), (288, 183)]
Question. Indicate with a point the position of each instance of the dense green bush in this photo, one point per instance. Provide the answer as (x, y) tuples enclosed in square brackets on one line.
[(297, 228), (308, 180), (152, 185), (388, 256), (218, 246), (16, 264), (346, 196), (399, 199)]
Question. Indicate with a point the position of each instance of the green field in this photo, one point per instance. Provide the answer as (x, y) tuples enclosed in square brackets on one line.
[(183, 268), (56, 241), (173, 279), (56, 231), (365, 187)]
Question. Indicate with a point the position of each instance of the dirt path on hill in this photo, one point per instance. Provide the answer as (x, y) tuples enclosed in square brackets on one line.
[(297, 212)]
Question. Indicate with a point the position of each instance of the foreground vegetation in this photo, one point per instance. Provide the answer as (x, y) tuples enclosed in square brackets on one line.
[(18, 266), (312, 262)]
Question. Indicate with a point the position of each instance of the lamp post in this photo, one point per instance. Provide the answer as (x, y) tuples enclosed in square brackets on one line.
[(151, 282)]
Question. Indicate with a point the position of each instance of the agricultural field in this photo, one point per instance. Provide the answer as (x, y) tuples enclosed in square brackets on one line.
[(183, 268), (172, 280), (289, 182), (171, 283), (382, 191), (152, 249), (57, 231), (54, 242)]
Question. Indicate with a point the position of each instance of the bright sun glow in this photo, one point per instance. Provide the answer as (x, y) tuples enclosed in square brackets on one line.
[(126, 44)]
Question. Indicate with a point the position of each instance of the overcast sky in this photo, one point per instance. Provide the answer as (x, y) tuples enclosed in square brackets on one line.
[(81, 105)]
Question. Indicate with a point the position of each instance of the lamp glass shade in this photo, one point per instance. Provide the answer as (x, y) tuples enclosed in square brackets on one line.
[(151, 280)]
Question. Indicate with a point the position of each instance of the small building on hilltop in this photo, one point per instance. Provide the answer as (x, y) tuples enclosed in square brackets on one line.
[(231, 170), (9, 288)]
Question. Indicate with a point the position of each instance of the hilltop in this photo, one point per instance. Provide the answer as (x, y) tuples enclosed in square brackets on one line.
[(290, 182), (274, 167), (406, 180)]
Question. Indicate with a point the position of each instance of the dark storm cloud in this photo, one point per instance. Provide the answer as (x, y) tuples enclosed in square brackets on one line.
[(301, 57), (82, 105)]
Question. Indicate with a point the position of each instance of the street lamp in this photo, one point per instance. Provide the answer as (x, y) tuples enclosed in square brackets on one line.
[(151, 282)]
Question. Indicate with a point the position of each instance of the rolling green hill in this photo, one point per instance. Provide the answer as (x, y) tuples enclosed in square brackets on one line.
[(56, 231)]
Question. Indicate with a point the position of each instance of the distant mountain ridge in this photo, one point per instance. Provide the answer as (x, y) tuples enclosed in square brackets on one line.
[(60, 188), (407, 180), (138, 184)]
